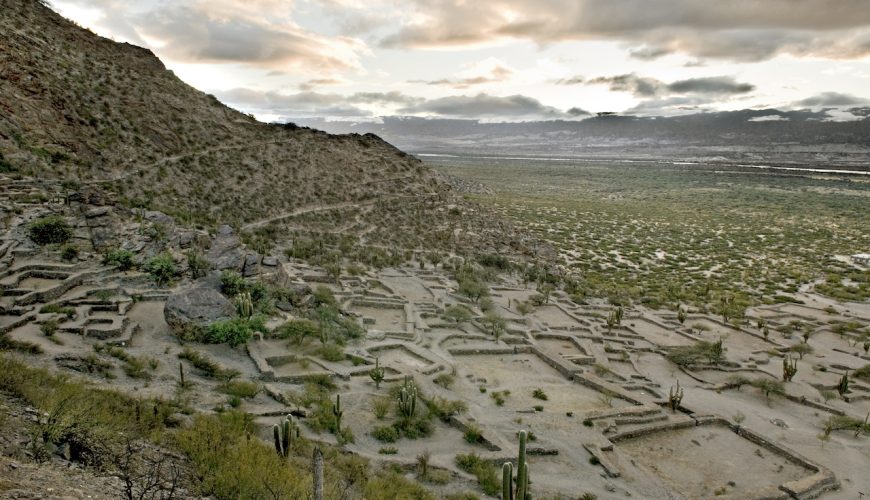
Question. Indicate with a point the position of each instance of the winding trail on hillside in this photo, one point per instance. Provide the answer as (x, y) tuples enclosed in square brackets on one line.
[(177, 157), (307, 210)]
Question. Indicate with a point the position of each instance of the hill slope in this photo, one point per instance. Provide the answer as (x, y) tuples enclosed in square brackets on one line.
[(83, 109)]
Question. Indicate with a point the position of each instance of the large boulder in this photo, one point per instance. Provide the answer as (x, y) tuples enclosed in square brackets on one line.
[(226, 250), (189, 311)]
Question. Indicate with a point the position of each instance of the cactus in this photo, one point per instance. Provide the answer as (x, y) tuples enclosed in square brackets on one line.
[(317, 472), (337, 412), (408, 399), (865, 425), (377, 374), (619, 313), (675, 397), (181, 374), (681, 315), (611, 321), (789, 368), (766, 332), (244, 305), (866, 346), (522, 469), (507, 481), (284, 435), (843, 385)]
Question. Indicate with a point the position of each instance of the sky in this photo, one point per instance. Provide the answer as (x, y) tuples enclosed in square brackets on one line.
[(502, 60)]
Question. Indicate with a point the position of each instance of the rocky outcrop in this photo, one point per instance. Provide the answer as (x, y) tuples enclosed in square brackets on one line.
[(226, 251), (192, 309)]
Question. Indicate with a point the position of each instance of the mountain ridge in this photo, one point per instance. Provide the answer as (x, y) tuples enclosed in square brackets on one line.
[(83, 109)]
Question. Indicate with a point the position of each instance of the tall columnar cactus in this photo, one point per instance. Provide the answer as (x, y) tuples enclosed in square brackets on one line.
[(317, 472), (284, 435), (181, 375), (611, 321), (681, 315), (675, 397), (789, 368), (377, 374), (843, 385), (408, 399), (619, 314), (244, 304), (337, 413), (522, 469), (507, 481)]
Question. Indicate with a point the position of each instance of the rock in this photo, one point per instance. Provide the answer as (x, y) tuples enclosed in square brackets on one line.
[(779, 423), (158, 217), (195, 308), (252, 265), (226, 250), (270, 261), (186, 239), (97, 212)]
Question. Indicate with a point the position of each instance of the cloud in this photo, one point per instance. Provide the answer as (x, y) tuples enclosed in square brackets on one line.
[(650, 87), (258, 33), (573, 80), (313, 104), (578, 112), (485, 106), (648, 53), (769, 118), (742, 30), (716, 85), (497, 73), (319, 82), (363, 104), (830, 99)]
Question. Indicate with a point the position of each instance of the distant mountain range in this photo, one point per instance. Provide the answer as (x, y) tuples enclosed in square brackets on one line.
[(767, 135)]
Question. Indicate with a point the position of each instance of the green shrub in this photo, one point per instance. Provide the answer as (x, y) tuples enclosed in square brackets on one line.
[(240, 388), (209, 368), (69, 252), (385, 434), (323, 296), (67, 311), (331, 352), (392, 486), (49, 230), (445, 380), (123, 259), (388, 450), (235, 331), (197, 264), (297, 330), (161, 269), (487, 477), (49, 328), (5, 166), (232, 283), (539, 394), (473, 434)]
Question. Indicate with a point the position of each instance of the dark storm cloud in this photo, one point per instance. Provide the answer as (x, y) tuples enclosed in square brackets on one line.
[(485, 106), (833, 99), (650, 87), (746, 30)]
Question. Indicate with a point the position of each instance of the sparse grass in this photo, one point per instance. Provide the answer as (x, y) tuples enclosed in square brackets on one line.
[(206, 366)]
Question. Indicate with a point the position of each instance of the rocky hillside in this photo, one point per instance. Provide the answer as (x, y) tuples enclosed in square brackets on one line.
[(83, 109)]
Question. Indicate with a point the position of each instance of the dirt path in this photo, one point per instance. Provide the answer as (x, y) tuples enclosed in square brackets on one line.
[(306, 210), (178, 157)]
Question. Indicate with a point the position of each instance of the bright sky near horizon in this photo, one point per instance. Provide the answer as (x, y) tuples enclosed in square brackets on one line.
[(501, 60)]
